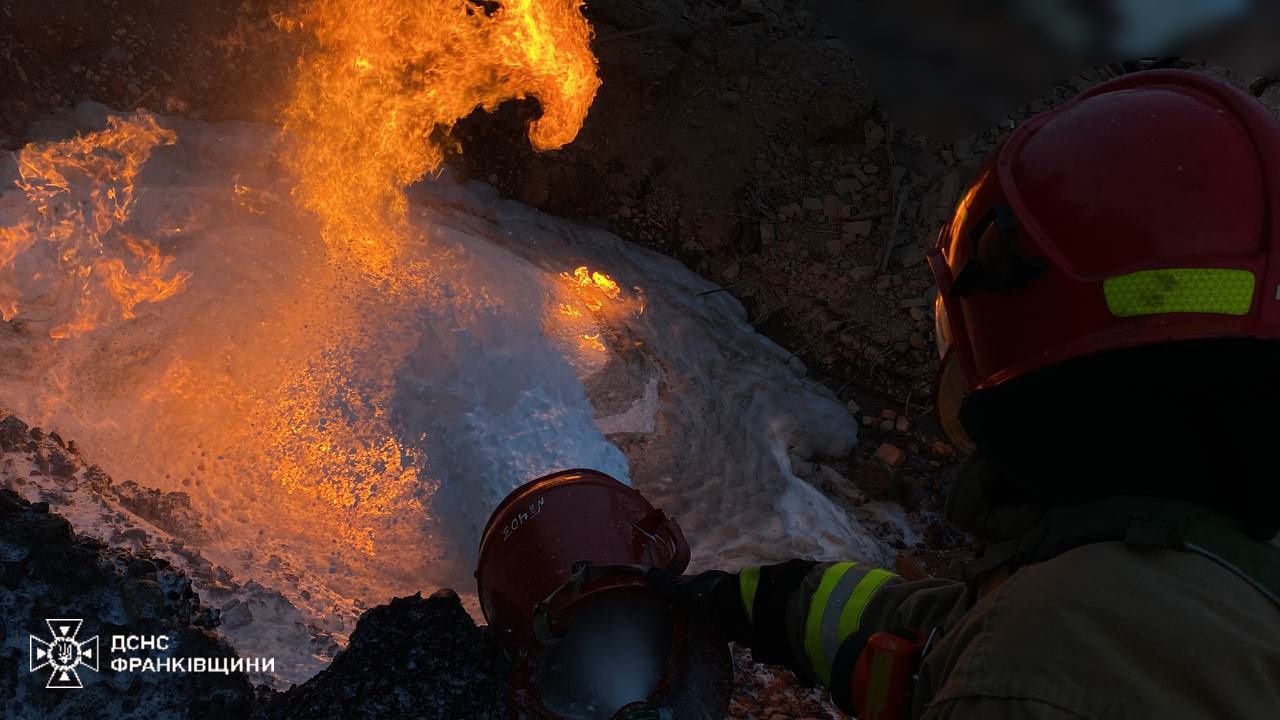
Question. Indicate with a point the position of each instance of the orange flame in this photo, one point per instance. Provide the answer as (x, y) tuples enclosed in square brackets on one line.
[(598, 280), (388, 79), (592, 287), (80, 193)]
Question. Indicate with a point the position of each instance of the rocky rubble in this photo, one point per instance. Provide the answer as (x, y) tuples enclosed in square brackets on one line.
[(766, 693), (49, 572), (414, 657), (411, 658), (44, 469)]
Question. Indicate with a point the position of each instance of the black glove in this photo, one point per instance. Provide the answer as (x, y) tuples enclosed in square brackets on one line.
[(711, 597)]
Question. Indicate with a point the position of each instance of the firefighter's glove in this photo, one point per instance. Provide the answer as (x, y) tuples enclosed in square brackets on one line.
[(711, 597)]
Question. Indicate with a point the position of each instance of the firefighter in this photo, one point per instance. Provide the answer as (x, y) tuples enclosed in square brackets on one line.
[(1109, 318)]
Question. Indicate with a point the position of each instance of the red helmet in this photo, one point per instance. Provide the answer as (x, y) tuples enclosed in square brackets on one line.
[(1145, 211)]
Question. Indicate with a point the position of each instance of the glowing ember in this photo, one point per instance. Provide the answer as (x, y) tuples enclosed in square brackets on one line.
[(388, 79), (71, 258)]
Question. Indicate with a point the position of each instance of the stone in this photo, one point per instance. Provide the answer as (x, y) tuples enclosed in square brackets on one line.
[(858, 228), (911, 255), (918, 342), (886, 426), (891, 455), (848, 186), (142, 600), (873, 479), (141, 567), (831, 206), (730, 99), (853, 407), (236, 615), (731, 271), (873, 133), (801, 467), (947, 194), (887, 414), (862, 272), (903, 424), (812, 204), (13, 433)]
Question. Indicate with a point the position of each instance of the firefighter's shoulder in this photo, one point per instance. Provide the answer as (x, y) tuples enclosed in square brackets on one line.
[(1111, 631)]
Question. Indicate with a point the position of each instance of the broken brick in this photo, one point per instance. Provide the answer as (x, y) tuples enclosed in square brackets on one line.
[(891, 455)]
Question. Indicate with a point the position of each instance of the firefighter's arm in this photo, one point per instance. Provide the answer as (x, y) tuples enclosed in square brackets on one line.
[(818, 618)]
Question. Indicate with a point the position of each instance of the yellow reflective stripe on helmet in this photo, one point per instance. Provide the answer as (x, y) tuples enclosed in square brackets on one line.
[(748, 582), (813, 622), (1221, 291), (851, 614)]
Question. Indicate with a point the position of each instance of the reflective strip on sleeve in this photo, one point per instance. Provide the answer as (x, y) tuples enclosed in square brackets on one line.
[(851, 614), (1220, 291), (813, 622), (836, 609), (748, 581)]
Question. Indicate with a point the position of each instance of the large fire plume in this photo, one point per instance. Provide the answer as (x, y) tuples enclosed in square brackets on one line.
[(385, 82), (276, 410)]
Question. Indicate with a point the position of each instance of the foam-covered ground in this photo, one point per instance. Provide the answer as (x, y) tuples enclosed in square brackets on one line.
[(343, 440)]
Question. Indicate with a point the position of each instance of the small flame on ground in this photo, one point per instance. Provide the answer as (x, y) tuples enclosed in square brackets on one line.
[(80, 193), (598, 280), (594, 288)]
